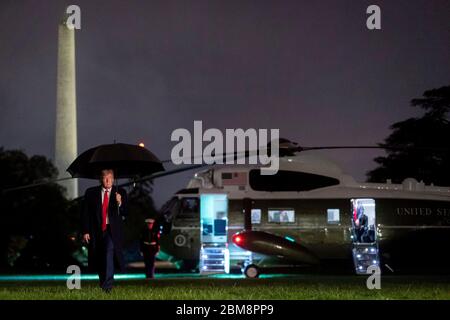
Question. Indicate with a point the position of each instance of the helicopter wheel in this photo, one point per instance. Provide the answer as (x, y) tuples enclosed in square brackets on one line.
[(251, 271)]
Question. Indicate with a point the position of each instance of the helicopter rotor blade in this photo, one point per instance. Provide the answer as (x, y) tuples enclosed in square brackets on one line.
[(286, 148), (162, 174), (393, 148), (36, 184)]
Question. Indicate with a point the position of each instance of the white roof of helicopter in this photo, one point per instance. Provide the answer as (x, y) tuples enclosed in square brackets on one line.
[(312, 162), (309, 162)]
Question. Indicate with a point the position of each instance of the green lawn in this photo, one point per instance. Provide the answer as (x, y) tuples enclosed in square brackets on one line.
[(292, 287)]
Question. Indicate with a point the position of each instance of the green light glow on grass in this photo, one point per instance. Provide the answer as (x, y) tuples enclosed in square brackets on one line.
[(64, 277), (131, 276), (289, 238)]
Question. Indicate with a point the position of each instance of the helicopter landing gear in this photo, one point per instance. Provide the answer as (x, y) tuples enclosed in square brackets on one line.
[(251, 271), (189, 266)]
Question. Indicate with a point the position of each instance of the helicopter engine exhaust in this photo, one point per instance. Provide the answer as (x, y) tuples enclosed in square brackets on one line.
[(270, 244)]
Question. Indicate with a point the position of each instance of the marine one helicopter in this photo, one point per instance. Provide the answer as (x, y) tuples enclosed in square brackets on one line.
[(308, 215)]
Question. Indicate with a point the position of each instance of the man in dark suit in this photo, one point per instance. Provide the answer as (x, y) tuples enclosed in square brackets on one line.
[(361, 226), (105, 208)]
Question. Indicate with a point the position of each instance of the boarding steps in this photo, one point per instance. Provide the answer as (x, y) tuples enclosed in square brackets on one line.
[(214, 259), (364, 256)]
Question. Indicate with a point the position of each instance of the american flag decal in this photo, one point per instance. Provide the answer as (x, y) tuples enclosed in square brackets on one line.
[(234, 178)]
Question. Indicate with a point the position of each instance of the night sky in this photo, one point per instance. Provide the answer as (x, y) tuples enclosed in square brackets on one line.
[(144, 68)]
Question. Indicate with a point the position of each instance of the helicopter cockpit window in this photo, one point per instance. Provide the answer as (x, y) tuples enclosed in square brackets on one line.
[(281, 216), (170, 208), (256, 216), (190, 208), (289, 181)]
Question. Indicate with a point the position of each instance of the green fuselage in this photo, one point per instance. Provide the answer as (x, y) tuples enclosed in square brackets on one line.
[(408, 231)]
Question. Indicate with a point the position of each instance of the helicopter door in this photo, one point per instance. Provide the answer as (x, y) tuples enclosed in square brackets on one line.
[(364, 235), (214, 254)]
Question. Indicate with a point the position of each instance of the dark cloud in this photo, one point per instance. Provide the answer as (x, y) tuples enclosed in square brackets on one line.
[(311, 69)]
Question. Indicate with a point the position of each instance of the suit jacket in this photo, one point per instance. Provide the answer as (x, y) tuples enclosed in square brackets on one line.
[(363, 221), (91, 219), (150, 236)]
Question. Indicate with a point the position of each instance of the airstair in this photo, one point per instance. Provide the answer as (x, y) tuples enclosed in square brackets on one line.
[(364, 256), (214, 259)]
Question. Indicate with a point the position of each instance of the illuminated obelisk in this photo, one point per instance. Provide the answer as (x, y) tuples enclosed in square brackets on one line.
[(66, 108)]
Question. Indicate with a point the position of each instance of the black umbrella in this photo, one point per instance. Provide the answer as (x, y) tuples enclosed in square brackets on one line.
[(127, 161)]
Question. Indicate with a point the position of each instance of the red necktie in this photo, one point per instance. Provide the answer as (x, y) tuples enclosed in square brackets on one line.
[(104, 210)]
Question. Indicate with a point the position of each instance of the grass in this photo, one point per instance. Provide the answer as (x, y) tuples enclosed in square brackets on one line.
[(287, 288)]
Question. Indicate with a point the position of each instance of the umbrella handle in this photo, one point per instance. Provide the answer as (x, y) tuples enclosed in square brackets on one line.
[(117, 190)]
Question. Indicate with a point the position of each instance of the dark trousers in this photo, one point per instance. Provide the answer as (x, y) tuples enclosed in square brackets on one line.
[(149, 252), (106, 270)]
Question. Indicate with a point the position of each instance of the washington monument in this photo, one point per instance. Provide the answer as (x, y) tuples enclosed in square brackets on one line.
[(66, 108)]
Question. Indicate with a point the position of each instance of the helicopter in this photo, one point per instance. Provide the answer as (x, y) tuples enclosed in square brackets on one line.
[(310, 215)]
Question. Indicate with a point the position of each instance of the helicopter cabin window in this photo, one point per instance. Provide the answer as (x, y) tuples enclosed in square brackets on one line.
[(333, 216), (289, 181), (281, 215), (256, 216), (189, 208)]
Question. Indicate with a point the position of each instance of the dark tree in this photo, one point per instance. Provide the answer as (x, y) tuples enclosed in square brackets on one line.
[(419, 147), (36, 224)]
